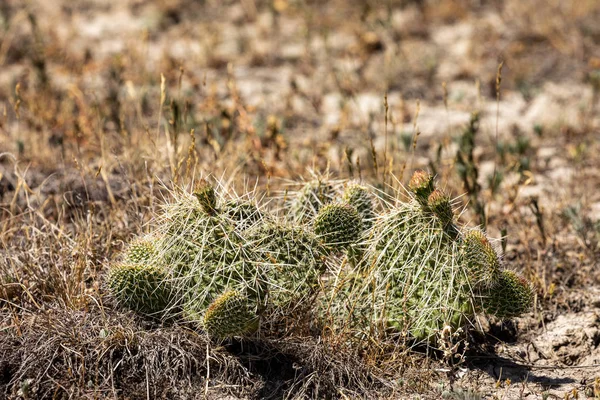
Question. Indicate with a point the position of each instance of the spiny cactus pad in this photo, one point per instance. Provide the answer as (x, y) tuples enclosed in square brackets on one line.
[(482, 262), (415, 278), (306, 203), (510, 297), (360, 197), (229, 315), (338, 225), (293, 260), (142, 288)]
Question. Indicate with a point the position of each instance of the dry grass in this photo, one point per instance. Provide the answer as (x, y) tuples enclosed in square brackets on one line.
[(105, 108)]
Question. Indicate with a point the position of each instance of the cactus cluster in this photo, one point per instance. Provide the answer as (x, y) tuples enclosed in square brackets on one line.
[(407, 267), (423, 274)]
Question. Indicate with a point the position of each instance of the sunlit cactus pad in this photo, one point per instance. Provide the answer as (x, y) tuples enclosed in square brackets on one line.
[(229, 315), (143, 288)]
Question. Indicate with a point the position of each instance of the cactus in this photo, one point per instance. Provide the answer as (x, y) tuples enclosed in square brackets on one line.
[(306, 203), (229, 315), (142, 288), (510, 297), (205, 193), (421, 184), (419, 282), (292, 258), (237, 247), (481, 260), (421, 274), (141, 250), (338, 225), (360, 197)]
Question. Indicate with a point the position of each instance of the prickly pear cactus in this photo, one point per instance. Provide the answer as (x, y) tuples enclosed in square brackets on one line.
[(141, 250), (204, 248), (306, 203), (510, 297), (421, 274), (210, 247), (229, 315), (338, 225), (360, 197), (146, 289), (420, 285)]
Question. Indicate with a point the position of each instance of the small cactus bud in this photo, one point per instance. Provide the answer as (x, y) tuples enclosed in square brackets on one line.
[(205, 193), (141, 251), (338, 225), (229, 316), (510, 297), (483, 265), (439, 204), (421, 184), (142, 288)]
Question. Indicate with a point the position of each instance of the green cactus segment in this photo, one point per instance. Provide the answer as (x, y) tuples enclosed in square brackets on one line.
[(338, 225), (276, 267), (229, 315), (418, 282), (483, 265), (207, 255), (306, 203), (421, 184), (292, 260), (205, 193), (140, 251), (360, 197), (142, 288), (510, 297), (243, 214)]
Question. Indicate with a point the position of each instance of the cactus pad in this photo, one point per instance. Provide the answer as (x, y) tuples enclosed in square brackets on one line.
[(482, 262), (229, 315), (338, 225), (359, 197), (142, 288), (510, 297), (141, 251)]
